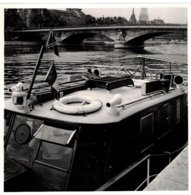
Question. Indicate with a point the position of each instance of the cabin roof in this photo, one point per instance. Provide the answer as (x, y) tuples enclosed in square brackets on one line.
[(102, 116)]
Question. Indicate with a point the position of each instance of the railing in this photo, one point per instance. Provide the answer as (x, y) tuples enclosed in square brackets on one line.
[(128, 170), (100, 27)]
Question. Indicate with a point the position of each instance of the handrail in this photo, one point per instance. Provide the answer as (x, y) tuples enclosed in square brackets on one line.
[(122, 174), (154, 175), (151, 95), (159, 155), (126, 171), (179, 149)]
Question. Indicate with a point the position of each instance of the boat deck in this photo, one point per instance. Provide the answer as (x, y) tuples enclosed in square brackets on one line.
[(174, 176), (102, 116)]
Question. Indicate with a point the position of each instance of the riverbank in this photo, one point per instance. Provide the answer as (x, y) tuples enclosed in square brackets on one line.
[(22, 43), (90, 42)]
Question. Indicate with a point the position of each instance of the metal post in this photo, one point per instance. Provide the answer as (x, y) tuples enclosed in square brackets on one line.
[(170, 67), (124, 173), (143, 69), (148, 171), (169, 156), (35, 71)]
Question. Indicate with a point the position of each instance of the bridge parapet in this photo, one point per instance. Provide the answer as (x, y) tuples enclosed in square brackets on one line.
[(129, 34)]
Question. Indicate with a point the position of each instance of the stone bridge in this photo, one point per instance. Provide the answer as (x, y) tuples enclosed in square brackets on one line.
[(122, 36)]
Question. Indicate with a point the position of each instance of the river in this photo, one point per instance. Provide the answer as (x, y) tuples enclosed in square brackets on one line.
[(20, 61)]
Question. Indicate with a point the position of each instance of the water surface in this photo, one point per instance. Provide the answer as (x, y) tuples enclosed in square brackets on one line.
[(20, 61)]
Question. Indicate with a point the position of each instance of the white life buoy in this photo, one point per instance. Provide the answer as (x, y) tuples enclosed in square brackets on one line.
[(68, 105)]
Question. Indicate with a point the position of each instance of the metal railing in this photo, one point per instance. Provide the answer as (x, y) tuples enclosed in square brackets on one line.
[(128, 170)]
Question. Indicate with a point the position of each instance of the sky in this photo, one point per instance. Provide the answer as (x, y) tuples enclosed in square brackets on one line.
[(168, 14)]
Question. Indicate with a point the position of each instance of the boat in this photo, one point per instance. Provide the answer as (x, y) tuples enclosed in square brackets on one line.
[(95, 129)]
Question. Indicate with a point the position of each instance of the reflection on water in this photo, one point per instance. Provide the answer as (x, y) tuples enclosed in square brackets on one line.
[(20, 61), (9, 51)]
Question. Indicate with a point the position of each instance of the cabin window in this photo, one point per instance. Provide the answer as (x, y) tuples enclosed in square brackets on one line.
[(147, 128), (177, 110), (55, 155), (164, 119), (18, 146), (164, 116), (54, 134)]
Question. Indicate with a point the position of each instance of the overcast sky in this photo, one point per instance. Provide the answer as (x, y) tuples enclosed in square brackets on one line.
[(168, 14)]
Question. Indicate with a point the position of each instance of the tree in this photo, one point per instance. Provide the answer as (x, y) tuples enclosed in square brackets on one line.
[(13, 20), (89, 20)]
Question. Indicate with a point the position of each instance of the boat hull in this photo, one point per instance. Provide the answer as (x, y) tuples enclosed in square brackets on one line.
[(98, 151)]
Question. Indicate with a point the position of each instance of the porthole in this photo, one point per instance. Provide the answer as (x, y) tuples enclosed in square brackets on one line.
[(22, 134)]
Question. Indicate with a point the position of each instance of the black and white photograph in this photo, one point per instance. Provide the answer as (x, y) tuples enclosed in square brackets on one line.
[(95, 98)]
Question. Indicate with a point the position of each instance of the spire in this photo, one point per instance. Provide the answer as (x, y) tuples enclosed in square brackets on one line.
[(132, 19)]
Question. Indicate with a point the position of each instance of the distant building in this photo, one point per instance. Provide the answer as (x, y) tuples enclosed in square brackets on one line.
[(157, 21), (144, 17), (133, 19)]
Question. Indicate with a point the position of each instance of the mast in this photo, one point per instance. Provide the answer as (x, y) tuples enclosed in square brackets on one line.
[(51, 42), (36, 69)]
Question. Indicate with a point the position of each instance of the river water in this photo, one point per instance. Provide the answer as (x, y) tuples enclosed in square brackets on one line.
[(20, 61)]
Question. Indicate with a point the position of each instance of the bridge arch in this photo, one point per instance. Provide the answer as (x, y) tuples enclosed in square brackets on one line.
[(139, 40), (78, 38)]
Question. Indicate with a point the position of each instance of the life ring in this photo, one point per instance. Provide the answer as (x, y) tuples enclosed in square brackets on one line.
[(87, 105)]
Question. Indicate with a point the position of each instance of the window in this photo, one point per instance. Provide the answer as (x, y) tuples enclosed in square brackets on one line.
[(164, 116), (54, 154), (178, 110), (18, 146), (54, 134), (147, 128)]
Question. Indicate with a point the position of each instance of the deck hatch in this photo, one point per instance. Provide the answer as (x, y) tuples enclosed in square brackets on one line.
[(54, 134), (156, 85), (109, 83)]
